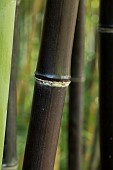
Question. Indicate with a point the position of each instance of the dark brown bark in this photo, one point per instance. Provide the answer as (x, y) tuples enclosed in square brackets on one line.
[(76, 93), (44, 127), (10, 153), (56, 47), (52, 76), (106, 84)]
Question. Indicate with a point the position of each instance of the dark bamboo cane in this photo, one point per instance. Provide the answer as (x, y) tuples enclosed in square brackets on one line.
[(106, 84), (10, 154), (51, 79), (76, 93)]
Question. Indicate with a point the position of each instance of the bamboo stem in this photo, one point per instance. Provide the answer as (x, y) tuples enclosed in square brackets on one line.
[(10, 154), (76, 93), (51, 81), (106, 84), (7, 13)]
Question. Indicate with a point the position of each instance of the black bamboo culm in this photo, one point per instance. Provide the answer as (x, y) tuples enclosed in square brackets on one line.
[(76, 93), (10, 154), (51, 81), (106, 84)]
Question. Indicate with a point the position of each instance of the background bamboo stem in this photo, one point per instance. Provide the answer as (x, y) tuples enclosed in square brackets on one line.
[(94, 145), (76, 93), (106, 84)]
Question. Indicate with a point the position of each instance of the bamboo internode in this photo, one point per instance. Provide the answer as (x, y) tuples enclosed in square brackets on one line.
[(106, 84), (76, 93), (10, 153), (7, 14)]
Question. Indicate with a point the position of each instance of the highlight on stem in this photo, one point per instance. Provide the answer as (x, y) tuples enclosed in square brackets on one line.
[(7, 15), (10, 152)]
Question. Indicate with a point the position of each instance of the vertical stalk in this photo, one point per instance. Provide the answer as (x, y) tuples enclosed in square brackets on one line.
[(51, 81), (94, 145), (7, 13), (10, 155), (76, 93), (106, 84)]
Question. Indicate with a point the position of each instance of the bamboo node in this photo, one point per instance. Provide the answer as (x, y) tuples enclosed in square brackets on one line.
[(105, 30), (53, 83)]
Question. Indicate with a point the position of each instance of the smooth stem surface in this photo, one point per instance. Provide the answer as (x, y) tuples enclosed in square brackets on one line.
[(52, 78), (76, 94), (57, 40), (10, 153), (7, 13), (106, 84)]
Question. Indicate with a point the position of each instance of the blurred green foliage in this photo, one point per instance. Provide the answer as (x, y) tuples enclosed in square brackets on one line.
[(30, 27)]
